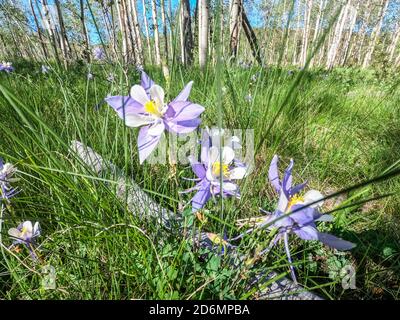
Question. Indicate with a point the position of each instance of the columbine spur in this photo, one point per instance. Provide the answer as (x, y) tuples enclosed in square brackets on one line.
[(145, 107)]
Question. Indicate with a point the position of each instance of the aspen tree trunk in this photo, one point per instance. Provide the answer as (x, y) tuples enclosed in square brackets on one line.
[(234, 26), (50, 27), (123, 32), (146, 28), (186, 33), (306, 32), (164, 24), (129, 27), (337, 36), (222, 27), (363, 32), (318, 20), (39, 31), (348, 42), (376, 33), (84, 31), (393, 43), (156, 34), (294, 60), (320, 16), (138, 39), (110, 26), (63, 34), (203, 32), (171, 28)]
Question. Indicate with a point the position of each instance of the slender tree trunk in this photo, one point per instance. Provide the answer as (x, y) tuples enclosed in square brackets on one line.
[(50, 27), (203, 32), (393, 43), (348, 42), (39, 31), (156, 34), (376, 33), (146, 28), (234, 26), (84, 31), (164, 25), (306, 32), (121, 20), (63, 33), (337, 36), (296, 32), (186, 33)]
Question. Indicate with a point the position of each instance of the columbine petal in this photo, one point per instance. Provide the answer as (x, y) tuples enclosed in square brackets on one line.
[(323, 217), (14, 233), (124, 105), (287, 178), (202, 196), (213, 155), (313, 196), (182, 127), (156, 129), (302, 215), (137, 120), (227, 155), (27, 225), (138, 94), (157, 94), (184, 94), (273, 174), (36, 229), (185, 110), (307, 233), (146, 82), (146, 143), (237, 173), (335, 242)]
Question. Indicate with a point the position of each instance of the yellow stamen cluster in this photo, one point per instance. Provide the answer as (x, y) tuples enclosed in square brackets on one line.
[(151, 107), (217, 167), (294, 200), (216, 239), (23, 231)]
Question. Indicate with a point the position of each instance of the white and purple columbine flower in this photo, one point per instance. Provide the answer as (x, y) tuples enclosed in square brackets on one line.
[(45, 69), (209, 170), (145, 107), (7, 171), (6, 66), (90, 76), (99, 53), (296, 214), (25, 234)]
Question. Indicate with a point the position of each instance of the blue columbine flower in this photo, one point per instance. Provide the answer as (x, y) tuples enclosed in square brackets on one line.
[(6, 66), (210, 168), (25, 234), (295, 214), (7, 171), (99, 53)]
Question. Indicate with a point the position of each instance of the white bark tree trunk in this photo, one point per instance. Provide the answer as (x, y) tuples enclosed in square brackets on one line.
[(156, 34), (203, 32), (376, 33), (337, 36)]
